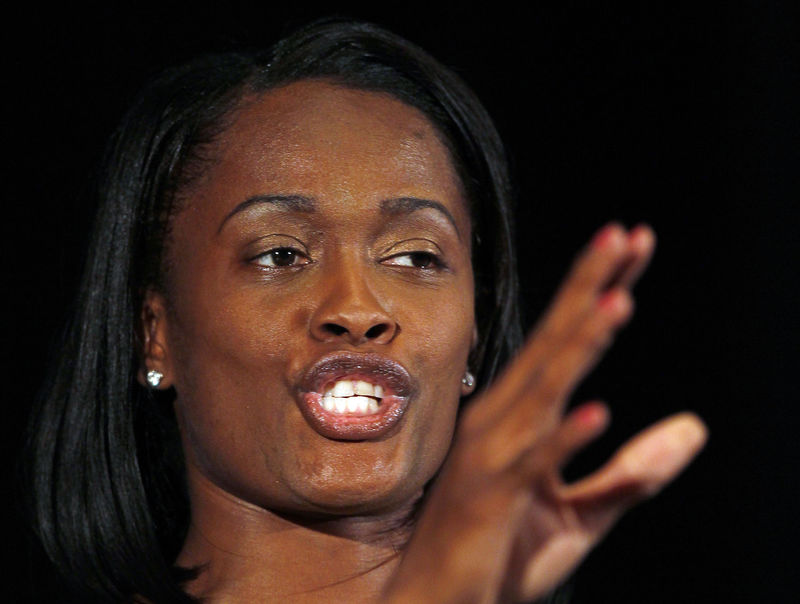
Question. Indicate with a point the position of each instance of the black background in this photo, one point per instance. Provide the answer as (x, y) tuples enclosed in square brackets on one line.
[(680, 115)]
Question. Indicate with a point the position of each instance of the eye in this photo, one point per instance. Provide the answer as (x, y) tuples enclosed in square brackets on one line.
[(281, 257), (423, 260)]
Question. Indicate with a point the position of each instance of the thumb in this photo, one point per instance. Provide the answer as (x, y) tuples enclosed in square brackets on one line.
[(638, 470)]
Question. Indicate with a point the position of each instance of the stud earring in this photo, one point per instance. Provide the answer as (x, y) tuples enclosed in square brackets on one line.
[(468, 380), (154, 378)]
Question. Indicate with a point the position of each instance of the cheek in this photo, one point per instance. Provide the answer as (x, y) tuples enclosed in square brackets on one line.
[(441, 344), (230, 350)]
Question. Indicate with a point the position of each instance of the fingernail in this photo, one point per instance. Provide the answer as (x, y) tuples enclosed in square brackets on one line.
[(607, 235), (594, 415), (642, 236), (615, 301), (693, 431)]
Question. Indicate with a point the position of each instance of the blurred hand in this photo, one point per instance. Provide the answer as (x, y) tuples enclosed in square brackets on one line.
[(500, 524)]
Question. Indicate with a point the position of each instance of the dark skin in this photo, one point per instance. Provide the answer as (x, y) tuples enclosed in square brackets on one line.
[(293, 246)]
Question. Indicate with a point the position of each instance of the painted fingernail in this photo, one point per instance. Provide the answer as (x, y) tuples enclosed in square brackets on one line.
[(594, 415), (607, 236), (616, 302)]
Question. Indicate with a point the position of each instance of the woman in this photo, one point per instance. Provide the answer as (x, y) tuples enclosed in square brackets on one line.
[(301, 271)]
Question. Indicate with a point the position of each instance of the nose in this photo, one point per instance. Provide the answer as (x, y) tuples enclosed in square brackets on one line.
[(350, 312)]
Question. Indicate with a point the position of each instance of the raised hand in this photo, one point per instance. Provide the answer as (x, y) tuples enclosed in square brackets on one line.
[(500, 524)]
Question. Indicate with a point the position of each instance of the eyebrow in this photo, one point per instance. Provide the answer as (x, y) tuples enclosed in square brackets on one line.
[(406, 205), (299, 203), (291, 203)]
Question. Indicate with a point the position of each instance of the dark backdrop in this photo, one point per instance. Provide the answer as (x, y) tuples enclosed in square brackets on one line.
[(680, 116)]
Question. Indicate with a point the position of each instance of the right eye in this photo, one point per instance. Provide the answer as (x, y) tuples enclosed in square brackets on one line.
[(281, 257)]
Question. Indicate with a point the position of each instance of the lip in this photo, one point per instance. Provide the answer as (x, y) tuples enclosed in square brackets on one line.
[(399, 387)]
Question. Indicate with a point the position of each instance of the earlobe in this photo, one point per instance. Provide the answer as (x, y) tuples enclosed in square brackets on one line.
[(155, 357)]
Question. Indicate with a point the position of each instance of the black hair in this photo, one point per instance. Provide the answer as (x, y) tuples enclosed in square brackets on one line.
[(106, 476)]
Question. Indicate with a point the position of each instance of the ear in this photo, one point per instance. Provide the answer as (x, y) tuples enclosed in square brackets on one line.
[(155, 351)]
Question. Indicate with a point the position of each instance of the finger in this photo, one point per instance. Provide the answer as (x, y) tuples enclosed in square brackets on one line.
[(614, 260), (641, 243), (592, 272), (582, 349), (581, 426), (643, 466), (537, 409), (543, 403), (576, 300)]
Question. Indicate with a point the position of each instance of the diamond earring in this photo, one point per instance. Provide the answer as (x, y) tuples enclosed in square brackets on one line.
[(154, 378), (468, 380)]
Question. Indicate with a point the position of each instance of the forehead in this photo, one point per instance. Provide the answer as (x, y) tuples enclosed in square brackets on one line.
[(333, 141)]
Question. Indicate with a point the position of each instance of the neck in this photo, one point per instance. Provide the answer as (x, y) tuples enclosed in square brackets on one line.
[(244, 551)]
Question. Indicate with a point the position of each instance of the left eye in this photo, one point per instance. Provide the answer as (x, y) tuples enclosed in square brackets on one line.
[(281, 257), (415, 260)]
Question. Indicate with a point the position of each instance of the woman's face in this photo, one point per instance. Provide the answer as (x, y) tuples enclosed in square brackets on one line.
[(318, 311)]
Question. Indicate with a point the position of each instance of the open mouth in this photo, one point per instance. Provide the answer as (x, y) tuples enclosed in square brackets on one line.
[(347, 396)]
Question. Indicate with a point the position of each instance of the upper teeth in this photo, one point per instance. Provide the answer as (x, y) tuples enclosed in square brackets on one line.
[(352, 396), (354, 387)]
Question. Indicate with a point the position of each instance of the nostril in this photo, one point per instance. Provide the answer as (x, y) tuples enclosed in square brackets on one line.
[(354, 330), (376, 330), (335, 329)]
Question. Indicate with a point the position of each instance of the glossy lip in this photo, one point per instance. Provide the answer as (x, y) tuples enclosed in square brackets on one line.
[(398, 385)]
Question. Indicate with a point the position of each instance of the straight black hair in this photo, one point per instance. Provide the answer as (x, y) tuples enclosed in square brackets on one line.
[(106, 474)]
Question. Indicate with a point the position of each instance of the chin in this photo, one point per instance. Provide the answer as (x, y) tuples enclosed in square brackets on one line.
[(361, 486)]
